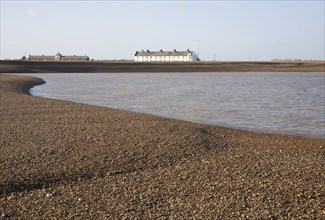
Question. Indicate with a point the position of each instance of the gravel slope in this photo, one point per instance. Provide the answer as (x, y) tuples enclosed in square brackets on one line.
[(16, 66), (67, 160)]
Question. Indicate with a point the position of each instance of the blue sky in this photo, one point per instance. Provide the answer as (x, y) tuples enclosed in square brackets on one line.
[(232, 30)]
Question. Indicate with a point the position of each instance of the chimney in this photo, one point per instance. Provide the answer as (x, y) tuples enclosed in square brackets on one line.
[(174, 50), (161, 50), (142, 50), (147, 51), (188, 50)]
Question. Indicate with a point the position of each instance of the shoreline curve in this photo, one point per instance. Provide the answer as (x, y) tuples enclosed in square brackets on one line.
[(79, 158)]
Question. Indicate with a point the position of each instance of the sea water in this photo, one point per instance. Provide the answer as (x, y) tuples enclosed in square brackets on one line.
[(285, 103)]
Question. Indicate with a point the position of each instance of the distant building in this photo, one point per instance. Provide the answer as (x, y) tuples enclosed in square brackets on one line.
[(57, 57), (171, 56)]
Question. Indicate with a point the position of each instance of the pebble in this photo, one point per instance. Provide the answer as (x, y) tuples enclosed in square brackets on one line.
[(155, 167)]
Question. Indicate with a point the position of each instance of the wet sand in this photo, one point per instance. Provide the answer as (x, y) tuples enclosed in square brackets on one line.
[(67, 160), (119, 66)]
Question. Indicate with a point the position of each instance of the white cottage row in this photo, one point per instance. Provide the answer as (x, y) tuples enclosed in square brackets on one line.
[(178, 56)]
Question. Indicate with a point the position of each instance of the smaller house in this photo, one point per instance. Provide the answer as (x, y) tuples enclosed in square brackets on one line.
[(57, 57)]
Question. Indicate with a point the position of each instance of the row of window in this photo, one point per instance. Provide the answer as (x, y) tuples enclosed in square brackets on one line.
[(162, 58)]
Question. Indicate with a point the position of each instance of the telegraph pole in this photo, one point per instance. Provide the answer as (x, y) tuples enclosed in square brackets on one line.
[(198, 47)]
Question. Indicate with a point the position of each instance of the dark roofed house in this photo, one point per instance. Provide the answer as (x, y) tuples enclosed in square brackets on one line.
[(40, 58), (57, 57), (75, 58)]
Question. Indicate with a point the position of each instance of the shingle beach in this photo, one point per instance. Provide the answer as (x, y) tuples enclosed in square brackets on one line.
[(64, 160)]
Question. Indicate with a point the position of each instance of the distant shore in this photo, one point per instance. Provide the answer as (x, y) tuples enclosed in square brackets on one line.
[(64, 160), (120, 66)]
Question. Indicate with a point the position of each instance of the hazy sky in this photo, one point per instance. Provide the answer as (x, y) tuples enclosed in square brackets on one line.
[(232, 30)]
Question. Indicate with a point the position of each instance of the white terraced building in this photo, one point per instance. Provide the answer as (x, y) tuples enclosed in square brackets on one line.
[(166, 56)]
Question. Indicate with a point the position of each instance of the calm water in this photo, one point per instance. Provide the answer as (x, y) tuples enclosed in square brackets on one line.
[(287, 103)]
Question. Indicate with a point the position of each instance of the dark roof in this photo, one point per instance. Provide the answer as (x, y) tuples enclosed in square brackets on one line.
[(58, 55), (79, 57), (163, 53), (41, 56)]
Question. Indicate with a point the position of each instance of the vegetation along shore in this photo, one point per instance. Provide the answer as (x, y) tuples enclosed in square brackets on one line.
[(119, 66), (67, 160)]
